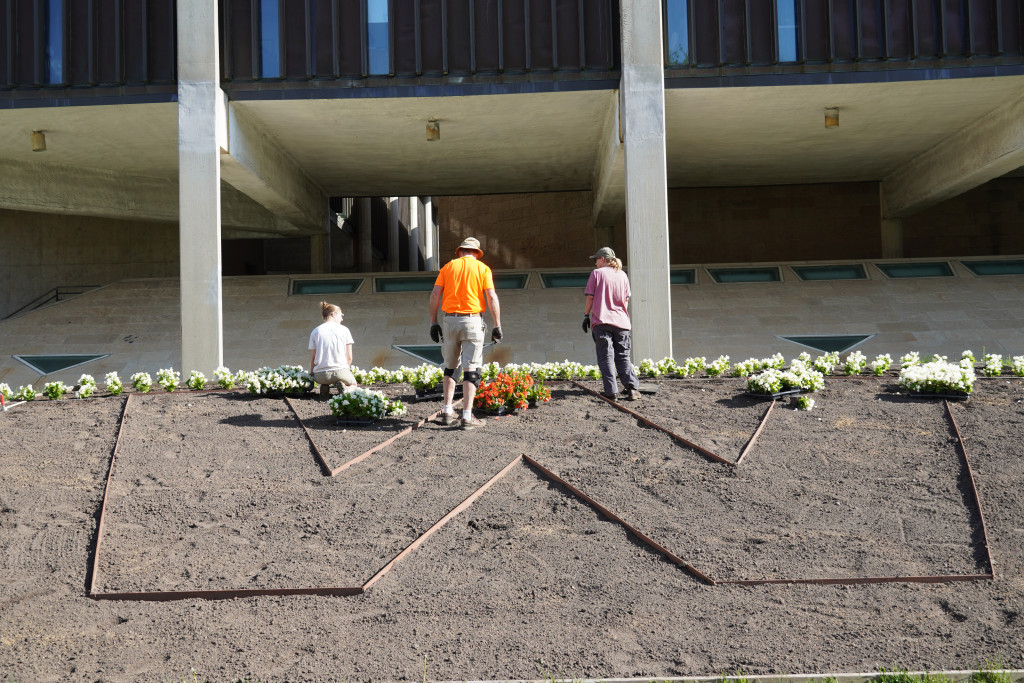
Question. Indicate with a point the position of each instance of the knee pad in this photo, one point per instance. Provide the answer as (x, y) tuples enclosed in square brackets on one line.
[(472, 376), (449, 372)]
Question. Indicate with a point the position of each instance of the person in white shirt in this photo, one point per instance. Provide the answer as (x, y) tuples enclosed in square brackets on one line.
[(331, 343)]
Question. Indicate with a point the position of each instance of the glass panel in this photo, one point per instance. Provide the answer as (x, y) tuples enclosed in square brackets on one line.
[(565, 279), (428, 353), (852, 271), (46, 364), (898, 270), (270, 39), (378, 55), (404, 284), (995, 267), (727, 275), (786, 22), (326, 286), (829, 343), (678, 30), (511, 280), (682, 276), (55, 41)]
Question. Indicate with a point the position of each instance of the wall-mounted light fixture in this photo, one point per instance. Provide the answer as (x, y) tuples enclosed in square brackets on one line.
[(433, 130), (38, 141), (832, 117)]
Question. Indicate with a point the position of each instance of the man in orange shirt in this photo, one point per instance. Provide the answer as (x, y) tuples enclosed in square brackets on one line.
[(463, 290)]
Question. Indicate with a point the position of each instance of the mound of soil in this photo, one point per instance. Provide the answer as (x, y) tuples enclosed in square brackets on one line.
[(221, 491)]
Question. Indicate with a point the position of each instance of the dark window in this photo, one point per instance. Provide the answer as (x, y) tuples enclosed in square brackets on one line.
[(852, 271)]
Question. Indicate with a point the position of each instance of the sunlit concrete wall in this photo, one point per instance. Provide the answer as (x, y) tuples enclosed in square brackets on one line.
[(42, 251)]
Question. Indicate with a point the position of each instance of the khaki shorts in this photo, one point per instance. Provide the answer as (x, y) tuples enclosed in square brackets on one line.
[(343, 376), (463, 342)]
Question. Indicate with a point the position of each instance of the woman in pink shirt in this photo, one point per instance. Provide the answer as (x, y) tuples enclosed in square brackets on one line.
[(607, 295)]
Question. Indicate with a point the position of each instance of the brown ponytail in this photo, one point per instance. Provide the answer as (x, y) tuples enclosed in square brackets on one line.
[(326, 309)]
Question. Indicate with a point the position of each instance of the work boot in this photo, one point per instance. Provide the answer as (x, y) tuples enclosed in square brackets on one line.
[(634, 395), (325, 391), (610, 397), (472, 423)]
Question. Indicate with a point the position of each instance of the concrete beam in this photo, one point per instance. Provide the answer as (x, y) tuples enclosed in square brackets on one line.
[(609, 177), (990, 147), (42, 188), (254, 164)]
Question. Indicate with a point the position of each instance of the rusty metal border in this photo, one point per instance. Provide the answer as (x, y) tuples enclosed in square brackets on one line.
[(335, 471), (686, 442), (974, 488), (106, 489), (938, 578), (643, 538), (224, 594), (757, 433), (236, 593), (441, 522)]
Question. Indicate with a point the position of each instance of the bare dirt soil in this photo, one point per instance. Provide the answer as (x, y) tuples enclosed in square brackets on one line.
[(218, 491)]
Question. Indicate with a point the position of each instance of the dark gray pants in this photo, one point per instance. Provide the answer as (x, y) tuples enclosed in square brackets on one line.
[(613, 345)]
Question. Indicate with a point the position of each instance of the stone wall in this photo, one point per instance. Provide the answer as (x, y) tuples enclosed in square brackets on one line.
[(41, 251), (545, 230), (986, 221)]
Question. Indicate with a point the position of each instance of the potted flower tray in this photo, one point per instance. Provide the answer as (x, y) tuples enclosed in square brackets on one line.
[(775, 396), (356, 421)]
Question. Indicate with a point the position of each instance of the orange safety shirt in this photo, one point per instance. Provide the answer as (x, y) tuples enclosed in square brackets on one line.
[(464, 280)]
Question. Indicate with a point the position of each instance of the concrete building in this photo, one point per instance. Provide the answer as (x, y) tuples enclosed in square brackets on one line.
[(193, 146)]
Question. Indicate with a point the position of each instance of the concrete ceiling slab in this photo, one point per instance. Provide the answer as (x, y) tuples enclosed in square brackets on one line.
[(776, 135), (139, 139), (489, 143)]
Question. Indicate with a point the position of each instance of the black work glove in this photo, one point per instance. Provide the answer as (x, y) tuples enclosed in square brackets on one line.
[(496, 335), (586, 323), (435, 333)]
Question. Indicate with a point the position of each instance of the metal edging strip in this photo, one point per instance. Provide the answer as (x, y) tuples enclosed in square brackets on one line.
[(974, 488), (106, 490), (680, 439), (646, 540), (441, 522)]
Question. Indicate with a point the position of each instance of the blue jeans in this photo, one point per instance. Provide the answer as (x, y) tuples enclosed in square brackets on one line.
[(613, 355)]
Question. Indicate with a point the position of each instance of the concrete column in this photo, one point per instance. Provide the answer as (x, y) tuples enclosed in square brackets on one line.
[(393, 264), (892, 238), (320, 253), (429, 235), (320, 245), (643, 112), (364, 236), (201, 135), (414, 234)]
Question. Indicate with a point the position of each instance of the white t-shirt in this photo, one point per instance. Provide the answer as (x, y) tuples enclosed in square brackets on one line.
[(330, 340)]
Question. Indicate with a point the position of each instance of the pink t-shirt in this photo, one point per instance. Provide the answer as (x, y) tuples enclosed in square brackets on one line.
[(610, 289)]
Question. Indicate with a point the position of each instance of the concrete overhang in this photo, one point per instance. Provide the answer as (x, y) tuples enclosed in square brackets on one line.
[(492, 144)]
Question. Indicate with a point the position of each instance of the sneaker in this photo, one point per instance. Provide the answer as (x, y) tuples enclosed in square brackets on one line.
[(634, 395), (448, 419), (473, 423)]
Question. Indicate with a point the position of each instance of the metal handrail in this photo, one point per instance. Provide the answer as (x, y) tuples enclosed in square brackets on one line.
[(55, 295)]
